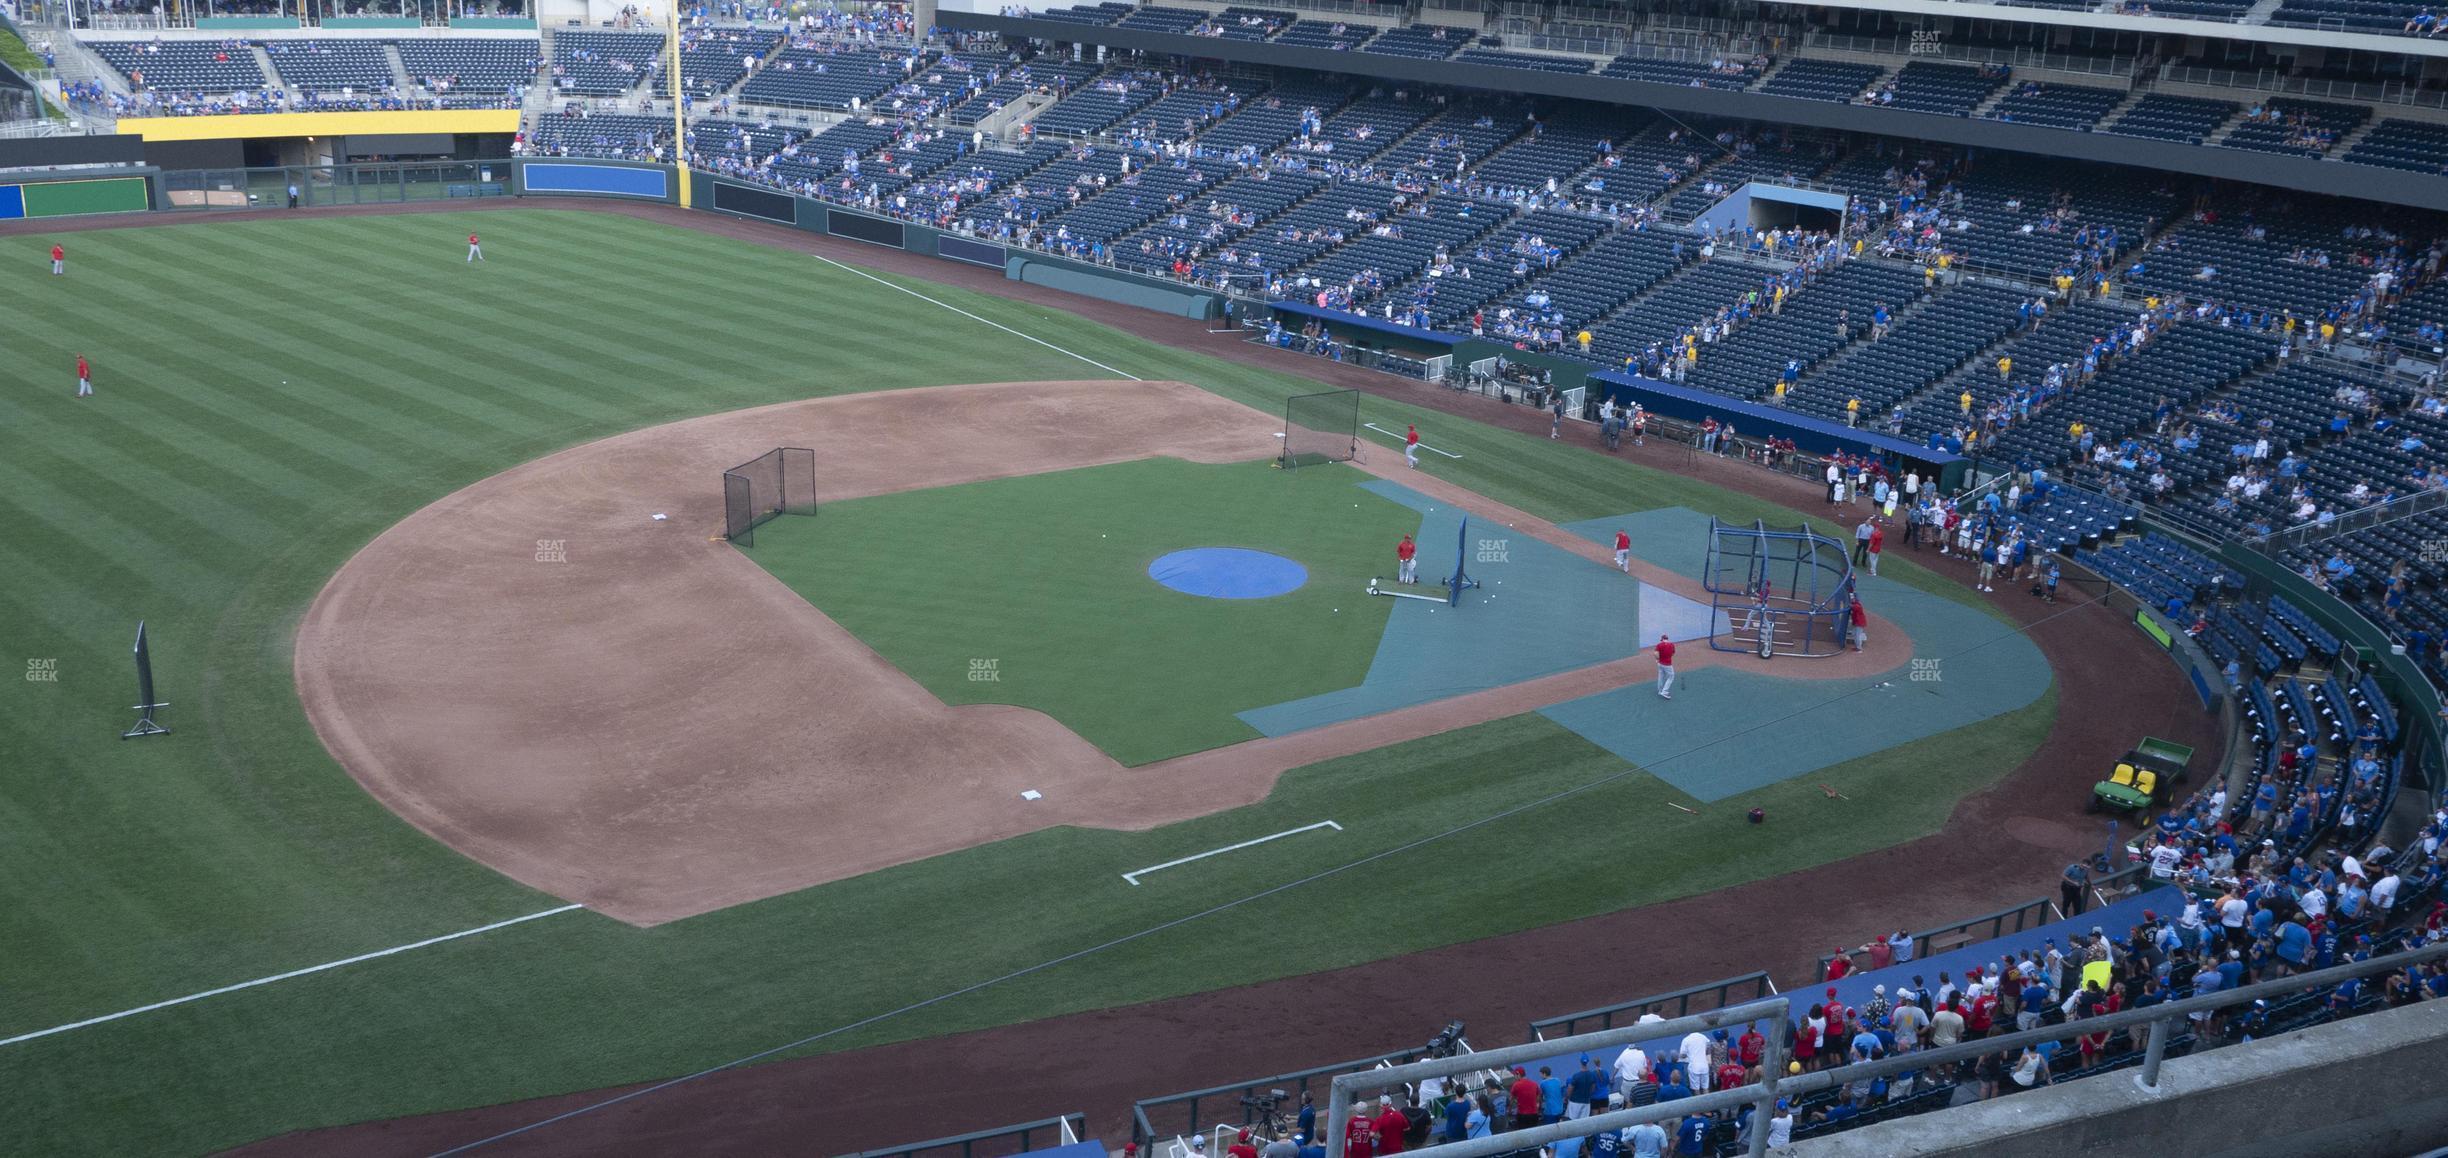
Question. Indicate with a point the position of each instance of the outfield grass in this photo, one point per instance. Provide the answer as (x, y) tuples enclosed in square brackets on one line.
[(1046, 577), (273, 393)]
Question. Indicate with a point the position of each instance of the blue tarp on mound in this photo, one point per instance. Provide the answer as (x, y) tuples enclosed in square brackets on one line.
[(1228, 573)]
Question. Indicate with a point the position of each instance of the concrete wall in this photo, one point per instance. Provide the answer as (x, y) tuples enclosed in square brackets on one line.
[(2365, 1087)]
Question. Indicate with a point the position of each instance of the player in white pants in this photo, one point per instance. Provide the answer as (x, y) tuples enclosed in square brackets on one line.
[(475, 250), (1406, 557), (1623, 551), (1665, 666)]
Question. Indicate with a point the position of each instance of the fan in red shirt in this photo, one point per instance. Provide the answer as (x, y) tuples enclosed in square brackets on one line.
[(1392, 1125), (1977, 1018), (1360, 1136), (1751, 1046), (1525, 1100), (1241, 1147), (1665, 662), (1839, 966)]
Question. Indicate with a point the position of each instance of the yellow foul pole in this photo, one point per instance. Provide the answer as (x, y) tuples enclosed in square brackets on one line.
[(679, 119)]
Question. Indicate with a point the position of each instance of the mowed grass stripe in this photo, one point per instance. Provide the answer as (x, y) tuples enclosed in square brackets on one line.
[(199, 519), (376, 350), (101, 546)]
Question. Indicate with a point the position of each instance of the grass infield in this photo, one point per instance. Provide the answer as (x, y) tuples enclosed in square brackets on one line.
[(274, 393), (1045, 578)]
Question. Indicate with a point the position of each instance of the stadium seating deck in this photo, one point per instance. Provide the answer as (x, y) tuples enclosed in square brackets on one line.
[(183, 65), (328, 65), (596, 62), (1420, 41), (447, 64), (2162, 117), (823, 78)]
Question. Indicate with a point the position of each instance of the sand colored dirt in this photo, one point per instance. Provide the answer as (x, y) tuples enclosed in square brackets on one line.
[(618, 711)]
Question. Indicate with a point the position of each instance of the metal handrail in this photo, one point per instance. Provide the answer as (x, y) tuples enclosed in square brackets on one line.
[(1681, 999), (2360, 518), (1143, 1131), (1996, 921), (1075, 1123)]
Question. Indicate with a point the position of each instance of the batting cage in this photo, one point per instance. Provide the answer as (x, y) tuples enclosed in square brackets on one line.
[(1774, 591), (1323, 427), (781, 481)]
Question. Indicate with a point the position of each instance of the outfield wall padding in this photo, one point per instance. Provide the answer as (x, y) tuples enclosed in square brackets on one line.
[(1112, 288), (76, 198), (652, 182)]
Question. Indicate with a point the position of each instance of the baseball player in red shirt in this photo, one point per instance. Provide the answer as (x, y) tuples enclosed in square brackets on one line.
[(475, 251), (84, 378), (59, 259), (1623, 551), (1861, 624), (1406, 561), (1665, 658), (1411, 445)]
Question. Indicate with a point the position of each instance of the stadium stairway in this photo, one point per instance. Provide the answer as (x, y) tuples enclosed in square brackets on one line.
[(399, 68), (263, 62)]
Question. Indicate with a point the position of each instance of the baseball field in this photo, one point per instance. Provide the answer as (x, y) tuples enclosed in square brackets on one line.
[(487, 783)]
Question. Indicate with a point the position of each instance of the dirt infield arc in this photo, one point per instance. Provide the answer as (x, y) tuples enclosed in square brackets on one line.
[(618, 711)]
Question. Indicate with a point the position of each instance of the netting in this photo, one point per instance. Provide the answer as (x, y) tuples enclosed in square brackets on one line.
[(1322, 427), (781, 481)]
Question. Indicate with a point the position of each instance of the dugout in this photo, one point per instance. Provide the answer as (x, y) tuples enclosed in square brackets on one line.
[(1810, 434), (1374, 342)]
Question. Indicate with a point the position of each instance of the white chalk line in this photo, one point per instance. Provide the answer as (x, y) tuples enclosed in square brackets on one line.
[(294, 973), (973, 317), (1399, 437), (1133, 877)]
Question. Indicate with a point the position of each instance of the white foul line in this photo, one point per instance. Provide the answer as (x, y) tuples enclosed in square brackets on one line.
[(1133, 877), (973, 317), (6, 1041), (1399, 438)]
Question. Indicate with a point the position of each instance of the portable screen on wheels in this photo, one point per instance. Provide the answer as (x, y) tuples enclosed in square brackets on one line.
[(1323, 427)]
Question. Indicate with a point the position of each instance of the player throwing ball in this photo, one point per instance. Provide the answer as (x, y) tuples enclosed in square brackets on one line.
[(1406, 561)]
